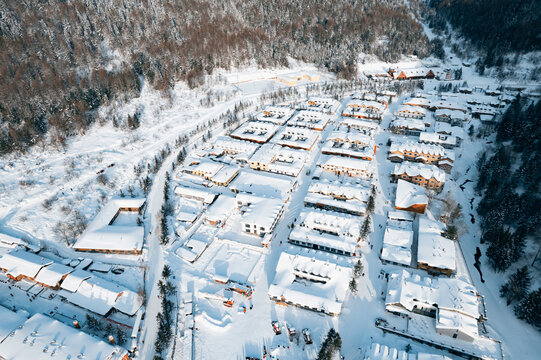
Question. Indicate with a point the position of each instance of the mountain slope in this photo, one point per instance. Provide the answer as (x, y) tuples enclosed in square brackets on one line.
[(59, 61)]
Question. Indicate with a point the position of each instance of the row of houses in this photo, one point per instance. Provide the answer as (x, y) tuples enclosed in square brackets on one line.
[(314, 275), (77, 286), (419, 152)]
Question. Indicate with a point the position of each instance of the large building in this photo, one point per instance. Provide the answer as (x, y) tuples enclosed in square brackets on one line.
[(454, 303), (316, 282), (326, 231), (115, 230)]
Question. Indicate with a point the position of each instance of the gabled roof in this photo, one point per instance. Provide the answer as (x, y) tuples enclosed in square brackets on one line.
[(23, 263), (52, 274)]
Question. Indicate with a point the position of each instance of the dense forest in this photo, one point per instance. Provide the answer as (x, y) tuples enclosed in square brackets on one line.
[(510, 181), (494, 26), (60, 60)]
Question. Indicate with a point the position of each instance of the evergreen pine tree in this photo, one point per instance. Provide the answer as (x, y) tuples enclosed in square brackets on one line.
[(365, 230), (517, 287), (353, 285), (529, 309), (358, 268)]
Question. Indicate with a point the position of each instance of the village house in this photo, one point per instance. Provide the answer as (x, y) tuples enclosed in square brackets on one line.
[(276, 159), (350, 144), (296, 137), (453, 117), (412, 74), (347, 166), (20, 265), (364, 109), (446, 129), (326, 231), (314, 120), (396, 247), (256, 131), (41, 336), (195, 194), (275, 114), (218, 173), (436, 254), (407, 126), (419, 152), (428, 176), (410, 197), (446, 141), (414, 112), (339, 197), (364, 126), (260, 215)]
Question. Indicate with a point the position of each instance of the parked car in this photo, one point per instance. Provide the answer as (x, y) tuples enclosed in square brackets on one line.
[(276, 327), (291, 330), (307, 337)]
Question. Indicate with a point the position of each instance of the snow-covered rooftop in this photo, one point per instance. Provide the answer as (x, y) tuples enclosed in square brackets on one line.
[(295, 137), (191, 193), (21, 263), (100, 295), (52, 274), (220, 210), (435, 138), (41, 336), (257, 131), (275, 114), (408, 123), (436, 251), (419, 169), (103, 234), (294, 281), (337, 162), (309, 119), (409, 290), (408, 194), (421, 148), (10, 321), (397, 245), (234, 146), (263, 184), (327, 229)]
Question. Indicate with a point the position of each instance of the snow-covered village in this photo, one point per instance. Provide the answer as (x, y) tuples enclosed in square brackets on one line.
[(283, 212)]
